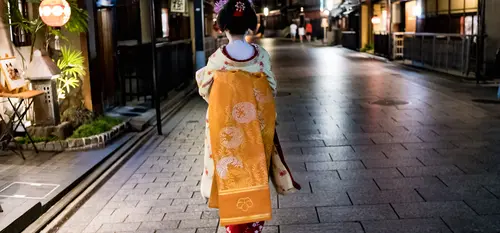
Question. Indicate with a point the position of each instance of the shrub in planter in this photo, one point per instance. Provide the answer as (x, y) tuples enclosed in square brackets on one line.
[(98, 126), (77, 116)]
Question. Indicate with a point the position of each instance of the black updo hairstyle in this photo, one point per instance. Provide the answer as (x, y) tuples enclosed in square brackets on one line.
[(237, 24)]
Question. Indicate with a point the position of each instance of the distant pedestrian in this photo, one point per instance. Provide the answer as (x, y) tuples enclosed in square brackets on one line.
[(309, 31), (293, 31), (302, 33)]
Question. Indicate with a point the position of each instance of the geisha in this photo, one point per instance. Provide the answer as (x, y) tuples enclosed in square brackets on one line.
[(239, 86)]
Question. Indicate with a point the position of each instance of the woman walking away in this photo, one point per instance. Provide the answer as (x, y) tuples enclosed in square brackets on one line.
[(302, 33), (239, 87), (293, 31), (309, 31)]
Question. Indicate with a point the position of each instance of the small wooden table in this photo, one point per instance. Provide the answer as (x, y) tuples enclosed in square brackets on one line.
[(8, 133)]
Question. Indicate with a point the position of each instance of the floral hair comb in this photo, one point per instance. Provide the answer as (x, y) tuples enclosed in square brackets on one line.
[(240, 7)]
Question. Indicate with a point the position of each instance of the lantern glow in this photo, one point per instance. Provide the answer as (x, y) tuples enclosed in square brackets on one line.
[(376, 20), (54, 13)]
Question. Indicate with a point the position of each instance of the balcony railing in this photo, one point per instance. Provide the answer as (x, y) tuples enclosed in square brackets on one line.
[(449, 53)]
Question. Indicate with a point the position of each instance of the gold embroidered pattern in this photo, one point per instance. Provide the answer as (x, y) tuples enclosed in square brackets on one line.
[(244, 204)]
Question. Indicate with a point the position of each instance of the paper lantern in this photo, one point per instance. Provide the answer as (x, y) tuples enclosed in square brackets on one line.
[(55, 13)]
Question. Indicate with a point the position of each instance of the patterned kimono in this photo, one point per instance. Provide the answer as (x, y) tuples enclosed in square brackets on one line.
[(239, 135)]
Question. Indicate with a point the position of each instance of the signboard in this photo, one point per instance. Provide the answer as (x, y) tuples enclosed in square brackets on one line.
[(178, 6)]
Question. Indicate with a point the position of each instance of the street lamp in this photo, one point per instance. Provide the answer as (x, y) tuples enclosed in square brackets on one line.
[(266, 11)]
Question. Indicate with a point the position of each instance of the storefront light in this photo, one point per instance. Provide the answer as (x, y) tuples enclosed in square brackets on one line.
[(329, 5), (376, 20), (417, 11), (326, 12)]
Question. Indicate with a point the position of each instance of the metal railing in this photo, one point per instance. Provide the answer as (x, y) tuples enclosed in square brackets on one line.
[(350, 40), (174, 69), (381, 44), (449, 53)]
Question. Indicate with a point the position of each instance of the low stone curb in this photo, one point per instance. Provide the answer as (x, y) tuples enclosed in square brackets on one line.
[(75, 144)]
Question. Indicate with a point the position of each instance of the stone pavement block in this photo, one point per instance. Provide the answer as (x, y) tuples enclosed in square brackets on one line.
[(396, 139), (430, 171), (356, 213), (330, 150), (114, 227), (162, 190), (485, 207), (306, 137), (384, 197), (168, 209), (154, 203), (198, 223), (214, 214), (131, 210), (121, 204), (192, 201), (468, 224), (302, 144), (386, 163), (409, 183), (347, 142), (429, 145), (337, 165), (411, 153), (406, 225), (182, 216), (455, 194), (292, 216), (194, 230), (470, 180), (136, 217), (314, 199), (143, 197), (179, 195), (344, 185), (351, 155), (433, 209), (379, 148), (347, 227), (307, 158), (160, 225), (369, 173)]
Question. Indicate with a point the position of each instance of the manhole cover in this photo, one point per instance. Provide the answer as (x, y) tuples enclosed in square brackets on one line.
[(28, 190), (486, 101), (280, 93), (389, 102)]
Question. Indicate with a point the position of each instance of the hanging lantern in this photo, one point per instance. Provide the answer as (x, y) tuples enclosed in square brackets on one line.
[(54, 13)]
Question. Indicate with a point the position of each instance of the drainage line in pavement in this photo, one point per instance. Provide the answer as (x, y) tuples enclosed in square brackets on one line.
[(64, 208)]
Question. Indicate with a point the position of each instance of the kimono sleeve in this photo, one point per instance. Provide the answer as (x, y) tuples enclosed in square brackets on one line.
[(204, 79), (266, 59)]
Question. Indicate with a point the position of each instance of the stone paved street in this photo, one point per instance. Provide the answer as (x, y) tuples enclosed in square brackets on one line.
[(431, 165)]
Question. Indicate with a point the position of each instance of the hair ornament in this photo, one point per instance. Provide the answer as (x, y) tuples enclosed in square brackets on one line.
[(240, 6)]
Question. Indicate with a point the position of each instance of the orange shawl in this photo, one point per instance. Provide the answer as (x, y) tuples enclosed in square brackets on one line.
[(242, 118)]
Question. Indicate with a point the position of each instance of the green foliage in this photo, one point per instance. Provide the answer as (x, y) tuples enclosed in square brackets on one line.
[(77, 116), (368, 47), (72, 70), (26, 140), (100, 125)]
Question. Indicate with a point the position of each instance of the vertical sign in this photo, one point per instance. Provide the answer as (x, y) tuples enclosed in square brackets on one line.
[(178, 6)]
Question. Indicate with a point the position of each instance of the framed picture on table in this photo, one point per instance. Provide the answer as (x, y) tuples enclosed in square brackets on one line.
[(11, 76)]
